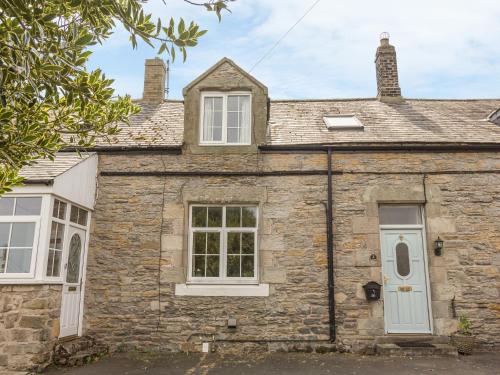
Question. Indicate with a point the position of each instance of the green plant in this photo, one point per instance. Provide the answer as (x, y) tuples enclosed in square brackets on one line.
[(464, 325)]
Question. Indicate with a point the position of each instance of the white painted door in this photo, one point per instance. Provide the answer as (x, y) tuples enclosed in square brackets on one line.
[(405, 288), (71, 294)]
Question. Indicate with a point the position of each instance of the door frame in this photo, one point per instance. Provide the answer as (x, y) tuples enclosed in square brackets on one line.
[(83, 268), (423, 232)]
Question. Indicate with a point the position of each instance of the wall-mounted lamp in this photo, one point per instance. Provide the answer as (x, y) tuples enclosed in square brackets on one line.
[(438, 247)]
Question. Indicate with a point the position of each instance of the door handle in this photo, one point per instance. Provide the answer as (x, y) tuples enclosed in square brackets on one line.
[(386, 279)]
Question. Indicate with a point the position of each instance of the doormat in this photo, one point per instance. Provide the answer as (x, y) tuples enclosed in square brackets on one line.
[(414, 344)]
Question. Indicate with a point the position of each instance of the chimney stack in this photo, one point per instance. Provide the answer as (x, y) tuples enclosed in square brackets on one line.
[(154, 80), (387, 72)]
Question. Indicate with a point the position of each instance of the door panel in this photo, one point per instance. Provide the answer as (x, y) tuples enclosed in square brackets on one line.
[(405, 290), (71, 294)]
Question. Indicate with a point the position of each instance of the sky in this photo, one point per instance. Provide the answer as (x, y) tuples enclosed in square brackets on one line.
[(445, 48)]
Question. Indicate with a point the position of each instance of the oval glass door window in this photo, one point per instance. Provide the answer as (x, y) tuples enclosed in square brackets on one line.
[(75, 249), (403, 259)]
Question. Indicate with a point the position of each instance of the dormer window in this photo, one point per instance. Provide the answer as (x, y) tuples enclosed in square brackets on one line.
[(225, 118)]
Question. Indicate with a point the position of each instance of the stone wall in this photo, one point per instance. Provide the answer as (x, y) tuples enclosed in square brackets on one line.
[(29, 324), (136, 216)]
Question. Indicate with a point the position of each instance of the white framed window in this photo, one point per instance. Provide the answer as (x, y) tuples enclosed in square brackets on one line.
[(223, 244), (225, 118), (19, 228), (56, 238)]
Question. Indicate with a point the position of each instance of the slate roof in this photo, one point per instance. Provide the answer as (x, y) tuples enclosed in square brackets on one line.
[(296, 122), (47, 170), (156, 125)]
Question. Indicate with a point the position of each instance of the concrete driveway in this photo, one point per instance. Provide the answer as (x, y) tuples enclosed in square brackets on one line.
[(285, 363)]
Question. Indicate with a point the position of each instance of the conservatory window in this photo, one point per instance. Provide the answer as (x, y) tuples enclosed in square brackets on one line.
[(19, 225)]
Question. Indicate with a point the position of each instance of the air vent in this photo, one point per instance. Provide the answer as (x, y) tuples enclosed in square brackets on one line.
[(494, 117), (342, 122)]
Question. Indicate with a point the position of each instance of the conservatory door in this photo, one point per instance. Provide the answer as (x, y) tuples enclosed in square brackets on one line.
[(71, 294)]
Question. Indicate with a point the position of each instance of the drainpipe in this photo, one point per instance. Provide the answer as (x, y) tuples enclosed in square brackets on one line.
[(329, 240)]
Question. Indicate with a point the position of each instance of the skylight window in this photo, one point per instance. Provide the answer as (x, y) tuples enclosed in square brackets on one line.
[(494, 117), (342, 122)]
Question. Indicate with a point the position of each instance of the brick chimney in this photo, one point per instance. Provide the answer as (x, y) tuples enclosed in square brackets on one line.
[(387, 72), (154, 80)]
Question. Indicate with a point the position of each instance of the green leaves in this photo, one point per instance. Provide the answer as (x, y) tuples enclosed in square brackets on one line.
[(48, 99)]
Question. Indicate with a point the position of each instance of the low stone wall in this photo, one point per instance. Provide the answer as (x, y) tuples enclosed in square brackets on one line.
[(29, 324)]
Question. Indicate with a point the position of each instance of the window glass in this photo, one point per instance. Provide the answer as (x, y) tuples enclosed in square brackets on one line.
[(22, 234), (6, 206), (28, 206), (229, 244), (212, 119), (19, 261), (402, 259), (4, 234), (75, 249), (55, 249), (59, 210), (78, 215), (399, 214)]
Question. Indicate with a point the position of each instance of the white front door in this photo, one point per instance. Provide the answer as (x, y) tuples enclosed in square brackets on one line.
[(405, 287), (71, 294)]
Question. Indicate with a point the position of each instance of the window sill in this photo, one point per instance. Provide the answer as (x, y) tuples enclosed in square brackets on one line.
[(29, 282), (206, 290)]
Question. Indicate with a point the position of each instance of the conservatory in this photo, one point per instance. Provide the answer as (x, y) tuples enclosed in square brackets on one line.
[(44, 230)]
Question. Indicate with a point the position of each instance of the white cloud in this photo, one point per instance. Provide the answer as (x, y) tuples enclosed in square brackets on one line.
[(446, 48)]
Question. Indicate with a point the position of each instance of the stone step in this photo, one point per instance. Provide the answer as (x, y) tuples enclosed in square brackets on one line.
[(78, 351), (434, 349), (390, 339)]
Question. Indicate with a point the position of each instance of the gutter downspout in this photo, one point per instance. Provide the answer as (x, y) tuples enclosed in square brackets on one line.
[(329, 240)]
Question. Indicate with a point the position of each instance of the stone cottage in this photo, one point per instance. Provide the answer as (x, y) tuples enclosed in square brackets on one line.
[(230, 221)]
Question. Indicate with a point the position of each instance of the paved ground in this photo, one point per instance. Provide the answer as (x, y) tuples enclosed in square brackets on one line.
[(290, 364)]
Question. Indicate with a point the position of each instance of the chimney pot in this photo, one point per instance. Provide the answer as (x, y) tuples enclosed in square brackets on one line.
[(155, 73)]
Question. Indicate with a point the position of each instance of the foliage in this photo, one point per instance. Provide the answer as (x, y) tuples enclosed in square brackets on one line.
[(48, 99), (464, 325)]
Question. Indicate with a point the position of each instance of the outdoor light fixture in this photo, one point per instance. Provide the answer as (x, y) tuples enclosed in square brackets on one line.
[(438, 247)]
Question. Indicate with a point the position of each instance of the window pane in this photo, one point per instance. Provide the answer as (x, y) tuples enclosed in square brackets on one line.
[(213, 243), (233, 216), (82, 217), (217, 134), (73, 217), (199, 265), (50, 262), (3, 256), (233, 135), (245, 118), (247, 268), (249, 217), (56, 236), (399, 214), (199, 216), (28, 206), (403, 259), (6, 206), (19, 261), (200, 242), (232, 120), (215, 216), (233, 266), (232, 103), (59, 210), (247, 243), (57, 263), (233, 243), (22, 235), (4, 234), (212, 266)]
